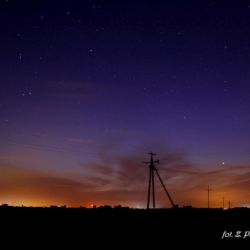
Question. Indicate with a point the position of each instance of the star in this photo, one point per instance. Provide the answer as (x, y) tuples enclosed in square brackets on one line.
[(20, 56), (26, 93), (96, 6), (210, 4)]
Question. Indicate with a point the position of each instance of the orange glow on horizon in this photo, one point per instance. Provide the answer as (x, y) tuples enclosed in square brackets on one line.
[(28, 187)]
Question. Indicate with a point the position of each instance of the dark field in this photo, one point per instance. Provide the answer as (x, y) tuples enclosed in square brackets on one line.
[(122, 227)]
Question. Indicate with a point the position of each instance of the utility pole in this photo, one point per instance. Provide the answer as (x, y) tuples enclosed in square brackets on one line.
[(151, 182), (223, 202), (208, 197), (229, 204), (208, 190)]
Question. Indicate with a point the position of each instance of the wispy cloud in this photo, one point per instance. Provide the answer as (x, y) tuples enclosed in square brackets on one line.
[(125, 132), (123, 180), (186, 181), (80, 141), (78, 90)]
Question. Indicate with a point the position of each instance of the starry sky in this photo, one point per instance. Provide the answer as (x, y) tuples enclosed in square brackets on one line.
[(87, 88)]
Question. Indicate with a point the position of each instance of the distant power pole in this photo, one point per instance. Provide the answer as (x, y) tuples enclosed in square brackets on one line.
[(229, 204), (151, 183), (208, 197), (223, 202)]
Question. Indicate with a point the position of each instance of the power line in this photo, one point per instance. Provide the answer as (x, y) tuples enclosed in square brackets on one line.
[(43, 147)]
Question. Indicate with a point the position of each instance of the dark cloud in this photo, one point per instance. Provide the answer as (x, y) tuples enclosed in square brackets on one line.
[(187, 182), (130, 173), (123, 180), (76, 89)]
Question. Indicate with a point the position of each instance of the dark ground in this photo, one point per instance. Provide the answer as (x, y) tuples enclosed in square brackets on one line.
[(123, 228)]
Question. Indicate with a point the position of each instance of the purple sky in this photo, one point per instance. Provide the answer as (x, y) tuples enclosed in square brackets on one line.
[(85, 81)]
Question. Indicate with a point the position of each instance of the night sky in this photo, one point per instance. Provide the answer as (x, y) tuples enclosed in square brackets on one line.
[(87, 88)]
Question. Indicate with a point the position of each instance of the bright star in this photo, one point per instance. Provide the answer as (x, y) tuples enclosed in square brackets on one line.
[(19, 56)]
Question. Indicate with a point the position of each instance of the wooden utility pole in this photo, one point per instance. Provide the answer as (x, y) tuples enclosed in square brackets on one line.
[(208, 197), (151, 182)]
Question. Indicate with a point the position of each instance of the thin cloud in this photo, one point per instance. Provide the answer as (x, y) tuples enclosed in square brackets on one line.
[(77, 90), (115, 179)]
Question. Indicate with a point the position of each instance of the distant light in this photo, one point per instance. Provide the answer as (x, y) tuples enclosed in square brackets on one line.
[(244, 205), (93, 206), (223, 163)]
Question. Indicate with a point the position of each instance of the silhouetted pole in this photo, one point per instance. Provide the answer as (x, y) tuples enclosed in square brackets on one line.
[(208, 197), (223, 202), (151, 182), (166, 191), (229, 204), (149, 187), (153, 187)]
